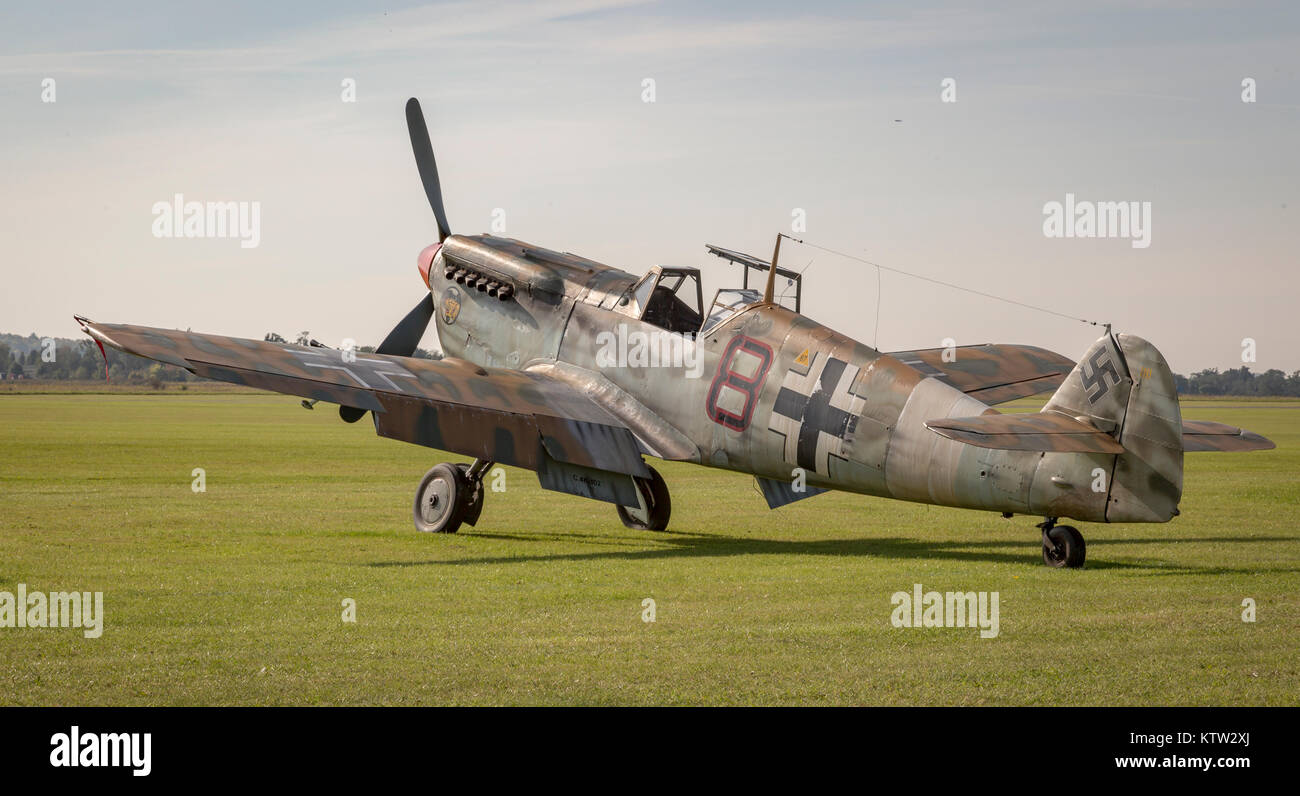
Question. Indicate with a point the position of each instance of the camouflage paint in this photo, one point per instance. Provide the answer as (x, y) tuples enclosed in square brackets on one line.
[(778, 393)]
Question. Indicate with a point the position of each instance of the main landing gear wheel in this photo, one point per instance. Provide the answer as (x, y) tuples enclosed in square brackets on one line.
[(1063, 545), (442, 499), (655, 508), (473, 474)]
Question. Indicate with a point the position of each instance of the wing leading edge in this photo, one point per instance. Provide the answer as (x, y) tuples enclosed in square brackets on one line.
[(512, 417)]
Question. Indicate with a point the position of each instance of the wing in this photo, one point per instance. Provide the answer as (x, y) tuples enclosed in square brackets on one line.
[(992, 373), (508, 416), (1204, 435), (1044, 431)]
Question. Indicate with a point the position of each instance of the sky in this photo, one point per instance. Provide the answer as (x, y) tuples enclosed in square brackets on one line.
[(762, 112)]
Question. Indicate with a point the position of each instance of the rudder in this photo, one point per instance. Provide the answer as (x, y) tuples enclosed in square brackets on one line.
[(1124, 387)]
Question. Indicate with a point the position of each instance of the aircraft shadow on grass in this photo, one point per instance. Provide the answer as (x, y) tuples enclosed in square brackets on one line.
[(691, 545)]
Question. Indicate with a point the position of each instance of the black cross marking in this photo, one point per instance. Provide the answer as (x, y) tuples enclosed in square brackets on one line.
[(815, 413)]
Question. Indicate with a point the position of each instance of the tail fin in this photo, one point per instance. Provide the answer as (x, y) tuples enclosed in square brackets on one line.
[(1116, 414), (1124, 387)]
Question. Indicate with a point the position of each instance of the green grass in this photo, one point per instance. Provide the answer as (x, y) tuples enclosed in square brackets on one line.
[(100, 386), (233, 596)]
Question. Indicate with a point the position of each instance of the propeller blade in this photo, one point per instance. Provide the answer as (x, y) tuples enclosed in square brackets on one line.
[(402, 342), (426, 164), (405, 337)]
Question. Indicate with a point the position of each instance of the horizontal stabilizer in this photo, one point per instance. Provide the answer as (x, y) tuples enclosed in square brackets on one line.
[(1044, 431), (1204, 435)]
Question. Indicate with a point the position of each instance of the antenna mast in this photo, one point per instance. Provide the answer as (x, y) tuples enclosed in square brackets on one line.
[(770, 290)]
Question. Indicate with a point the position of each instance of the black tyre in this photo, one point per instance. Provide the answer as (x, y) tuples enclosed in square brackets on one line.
[(440, 500), (474, 501), (659, 506), (1063, 547)]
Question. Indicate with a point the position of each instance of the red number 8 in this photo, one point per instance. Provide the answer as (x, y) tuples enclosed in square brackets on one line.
[(751, 386)]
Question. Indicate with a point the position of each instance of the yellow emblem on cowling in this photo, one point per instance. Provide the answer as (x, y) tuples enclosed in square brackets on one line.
[(450, 305), (802, 359)]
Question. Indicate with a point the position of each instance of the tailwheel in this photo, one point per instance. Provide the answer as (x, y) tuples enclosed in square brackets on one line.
[(1063, 545), (655, 505), (442, 499)]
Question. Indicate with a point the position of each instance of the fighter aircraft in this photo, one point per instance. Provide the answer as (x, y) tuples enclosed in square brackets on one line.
[(578, 371)]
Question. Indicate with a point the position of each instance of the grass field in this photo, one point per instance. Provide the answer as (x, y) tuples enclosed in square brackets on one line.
[(233, 596)]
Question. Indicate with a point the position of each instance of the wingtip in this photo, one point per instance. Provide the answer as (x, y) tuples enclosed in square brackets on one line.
[(1260, 442), (85, 324)]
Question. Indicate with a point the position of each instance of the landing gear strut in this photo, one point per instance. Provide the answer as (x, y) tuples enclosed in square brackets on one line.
[(449, 495), (655, 505), (1063, 545)]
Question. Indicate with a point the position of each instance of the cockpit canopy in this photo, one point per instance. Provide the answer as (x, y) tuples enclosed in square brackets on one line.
[(673, 299), (670, 298), (728, 302), (789, 284)]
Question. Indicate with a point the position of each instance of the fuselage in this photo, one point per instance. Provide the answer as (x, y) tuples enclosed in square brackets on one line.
[(758, 389)]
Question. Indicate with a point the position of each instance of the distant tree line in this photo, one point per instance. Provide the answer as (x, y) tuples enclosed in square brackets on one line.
[(32, 358), (1239, 381), (80, 360), (24, 357)]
